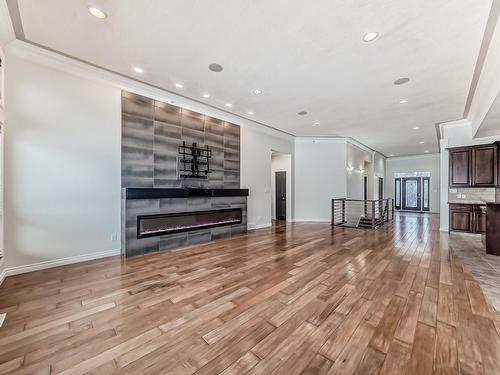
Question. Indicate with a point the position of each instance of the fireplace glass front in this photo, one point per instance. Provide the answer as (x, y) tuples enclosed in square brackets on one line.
[(162, 224)]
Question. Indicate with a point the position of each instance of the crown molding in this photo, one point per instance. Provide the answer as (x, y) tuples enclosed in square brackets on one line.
[(412, 157), (55, 60)]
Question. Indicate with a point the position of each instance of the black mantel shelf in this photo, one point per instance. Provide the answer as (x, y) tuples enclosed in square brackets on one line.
[(159, 193)]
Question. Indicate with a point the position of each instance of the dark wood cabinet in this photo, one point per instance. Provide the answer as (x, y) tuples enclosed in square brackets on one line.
[(460, 167), (484, 166), (479, 220), (467, 218), (474, 166), (461, 218)]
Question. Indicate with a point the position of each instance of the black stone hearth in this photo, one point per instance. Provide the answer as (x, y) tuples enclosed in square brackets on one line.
[(159, 193)]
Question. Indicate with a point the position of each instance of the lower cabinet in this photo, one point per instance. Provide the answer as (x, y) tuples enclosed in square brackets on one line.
[(467, 218)]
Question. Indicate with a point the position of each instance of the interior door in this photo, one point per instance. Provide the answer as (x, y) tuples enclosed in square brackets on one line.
[(411, 195), (380, 188), (280, 184)]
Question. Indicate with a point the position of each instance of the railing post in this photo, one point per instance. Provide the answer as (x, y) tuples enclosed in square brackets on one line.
[(392, 203), (333, 211), (343, 211), (373, 214)]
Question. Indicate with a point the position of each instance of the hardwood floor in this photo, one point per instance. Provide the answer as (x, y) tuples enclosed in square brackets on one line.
[(292, 299)]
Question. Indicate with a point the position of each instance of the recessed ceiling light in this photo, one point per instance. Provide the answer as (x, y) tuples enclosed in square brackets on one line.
[(401, 81), (215, 68), (391, 154), (370, 37), (415, 128), (403, 101), (302, 113), (250, 113), (426, 151), (421, 142), (316, 123), (97, 13), (229, 105), (257, 92), (179, 85), (138, 70), (206, 96)]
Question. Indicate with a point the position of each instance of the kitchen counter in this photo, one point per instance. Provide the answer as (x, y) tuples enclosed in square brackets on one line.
[(465, 201)]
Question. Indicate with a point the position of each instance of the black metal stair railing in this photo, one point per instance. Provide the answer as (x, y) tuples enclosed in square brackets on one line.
[(358, 213)]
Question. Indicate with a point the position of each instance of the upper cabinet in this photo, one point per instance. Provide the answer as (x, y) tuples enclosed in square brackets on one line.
[(474, 166), (460, 167)]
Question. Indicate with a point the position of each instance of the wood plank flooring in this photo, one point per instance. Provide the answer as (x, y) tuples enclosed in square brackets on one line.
[(291, 299)]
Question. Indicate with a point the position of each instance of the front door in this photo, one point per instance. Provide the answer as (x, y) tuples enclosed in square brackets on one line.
[(280, 184), (411, 194)]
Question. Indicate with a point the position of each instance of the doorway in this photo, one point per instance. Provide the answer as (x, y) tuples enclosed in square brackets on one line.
[(412, 193), (280, 191), (380, 188)]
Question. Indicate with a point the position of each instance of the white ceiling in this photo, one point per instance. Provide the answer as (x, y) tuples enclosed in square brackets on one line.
[(303, 55)]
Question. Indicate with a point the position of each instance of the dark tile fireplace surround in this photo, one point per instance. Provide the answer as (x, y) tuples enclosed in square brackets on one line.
[(162, 208)]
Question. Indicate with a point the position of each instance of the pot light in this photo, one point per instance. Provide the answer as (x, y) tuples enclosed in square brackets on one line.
[(257, 92), (426, 151), (401, 81), (179, 85), (370, 37), (316, 123), (97, 13), (250, 113), (229, 105), (403, 101), (421, 142), (391, 154), (206, 96), (138, 70), (415, 128)]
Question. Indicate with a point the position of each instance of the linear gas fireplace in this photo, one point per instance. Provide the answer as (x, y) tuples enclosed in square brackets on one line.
[(163, 224), (157, 219)]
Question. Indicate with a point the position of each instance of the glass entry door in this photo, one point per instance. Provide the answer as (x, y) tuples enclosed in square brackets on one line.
[(411, 194)]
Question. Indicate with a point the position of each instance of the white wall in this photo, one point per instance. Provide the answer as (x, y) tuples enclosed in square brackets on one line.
[(256, 148), (62, 141), (62, 170), (281, 163), (361, 161), (419, 163), (320, 166)]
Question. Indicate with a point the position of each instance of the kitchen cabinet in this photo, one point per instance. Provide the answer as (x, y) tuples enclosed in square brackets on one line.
[(461, 218), (460, 167), (484, 166), (479, 219), (474, 166), (467, 218)]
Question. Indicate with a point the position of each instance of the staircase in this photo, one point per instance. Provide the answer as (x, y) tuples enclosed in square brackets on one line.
[(369, 214)]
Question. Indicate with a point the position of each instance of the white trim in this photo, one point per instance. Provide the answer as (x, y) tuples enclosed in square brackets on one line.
[(70, 65), (409, 157), (57, 262), (3, 275), (312, 221), (253, 226), (320, 140)]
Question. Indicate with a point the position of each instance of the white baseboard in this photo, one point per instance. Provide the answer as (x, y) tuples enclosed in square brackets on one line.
[(55, 263), (258, 226), (311, 221)]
